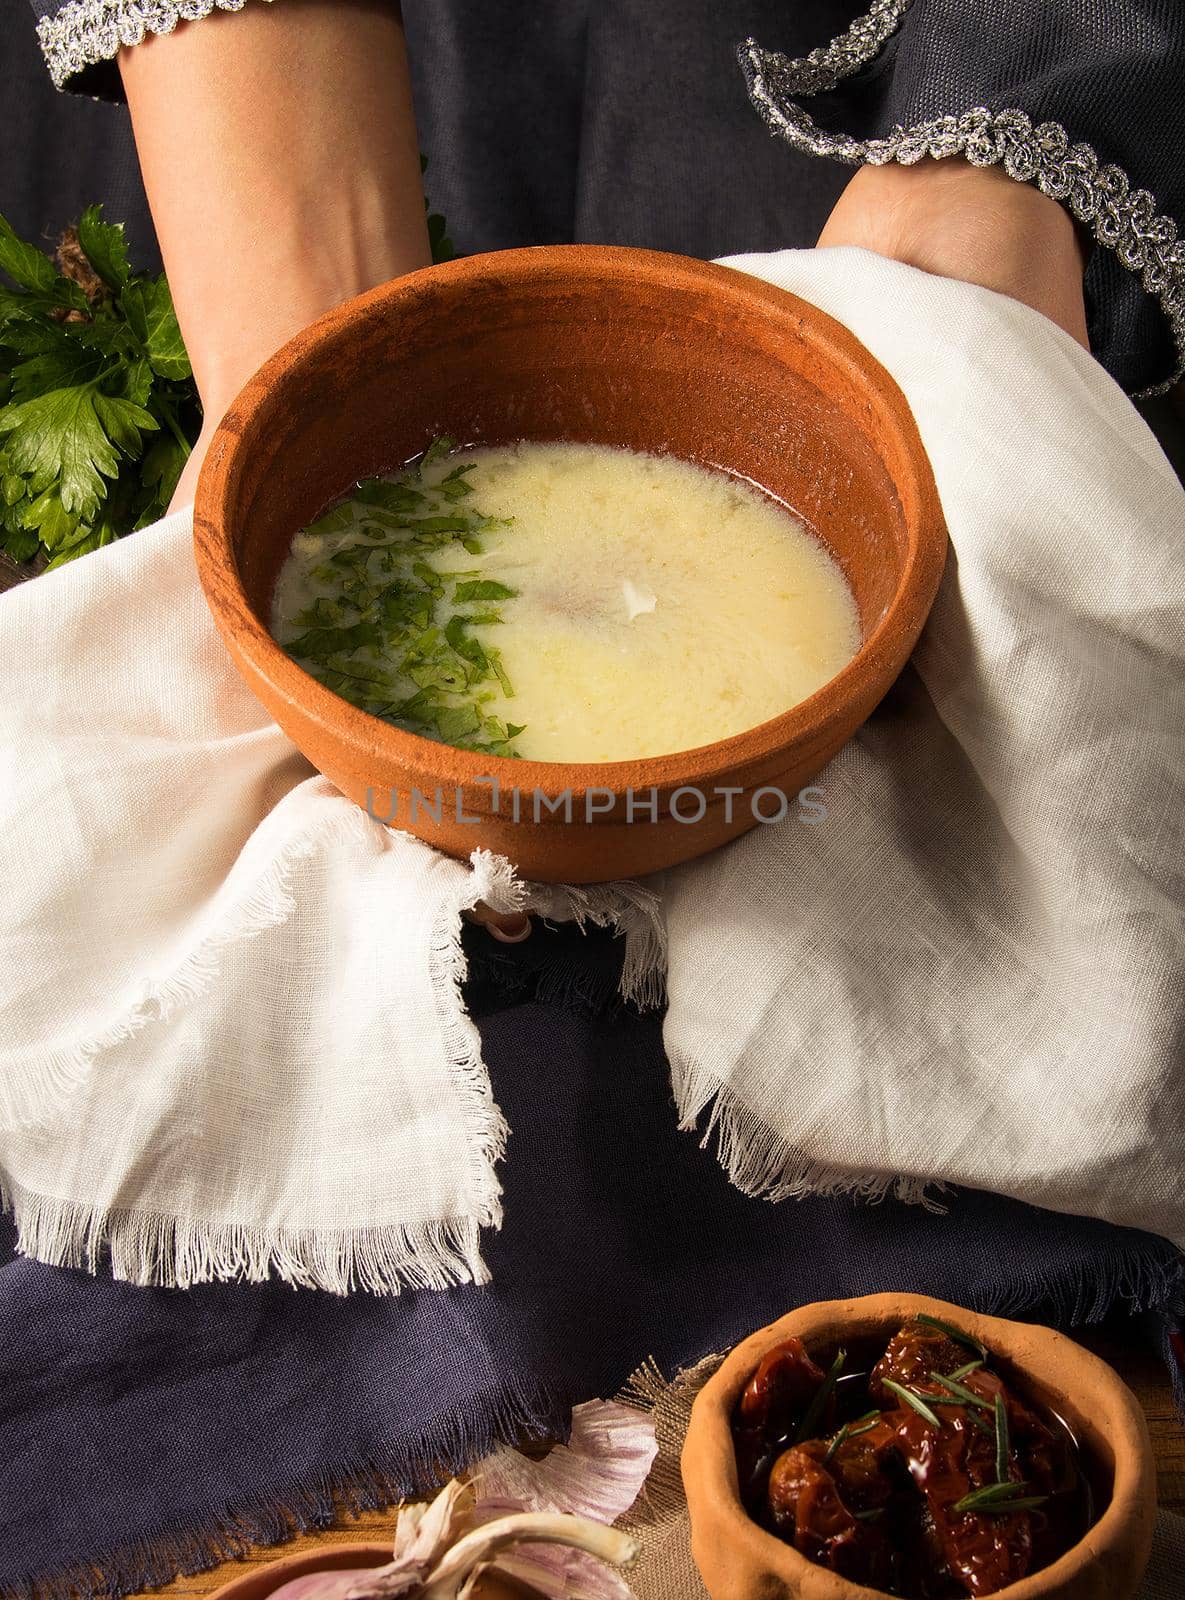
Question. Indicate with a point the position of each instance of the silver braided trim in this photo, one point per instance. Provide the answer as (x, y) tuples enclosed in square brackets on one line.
[(825, 67), (85, 32), (1119, 217)]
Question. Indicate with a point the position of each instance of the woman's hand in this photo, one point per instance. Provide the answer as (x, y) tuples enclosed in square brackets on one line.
[(507, 927), (279, 155), (975, 223)]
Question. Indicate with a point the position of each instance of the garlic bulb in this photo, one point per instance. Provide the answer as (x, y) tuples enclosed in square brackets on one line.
[(440, 1553), (515, 1516)]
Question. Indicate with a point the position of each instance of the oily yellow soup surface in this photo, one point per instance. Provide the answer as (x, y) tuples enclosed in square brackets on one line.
[(657, 606)]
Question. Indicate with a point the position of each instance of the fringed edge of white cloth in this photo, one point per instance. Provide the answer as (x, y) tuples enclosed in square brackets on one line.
[(760, 1162), (33, 1091), (154, 1251), (485, 1124), (634, 910), (151, 1249)]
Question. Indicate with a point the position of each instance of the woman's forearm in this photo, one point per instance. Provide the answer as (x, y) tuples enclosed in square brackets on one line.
[(957, 220), (279, 155)]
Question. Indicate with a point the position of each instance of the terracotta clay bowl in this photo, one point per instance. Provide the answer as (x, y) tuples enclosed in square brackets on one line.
[(593, 345), (260, 1582), (739, 1560)]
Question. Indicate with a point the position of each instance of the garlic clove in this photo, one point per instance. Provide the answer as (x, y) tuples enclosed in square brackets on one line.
[(480, 1547), (425, 1531), (638, 601)]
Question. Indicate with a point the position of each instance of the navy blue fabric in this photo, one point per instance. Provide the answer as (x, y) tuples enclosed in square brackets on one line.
[(142, 1430)]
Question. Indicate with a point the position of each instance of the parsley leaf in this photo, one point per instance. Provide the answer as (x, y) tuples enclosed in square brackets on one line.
[(98, 407), (166, 350), (105, 247), (148, 307), (483, 589), (58, 438)]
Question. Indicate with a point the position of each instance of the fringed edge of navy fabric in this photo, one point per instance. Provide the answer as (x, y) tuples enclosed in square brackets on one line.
[(527, 1413)]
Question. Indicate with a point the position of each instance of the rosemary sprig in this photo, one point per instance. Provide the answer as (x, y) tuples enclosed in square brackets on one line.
[(822, 1394), (1000, 1499), (966, 1371), (840, 1438), (914, 1401), (956, 1334), (1002, 1440), (862, 1424), (970, 1415), (990, 1493), (852, 1430), (961, 1391)]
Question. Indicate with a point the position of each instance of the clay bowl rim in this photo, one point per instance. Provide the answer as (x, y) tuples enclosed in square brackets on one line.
[(876, 659), (260, 1582), (1133, 1488)]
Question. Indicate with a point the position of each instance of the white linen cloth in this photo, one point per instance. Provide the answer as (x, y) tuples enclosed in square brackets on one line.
[(231, 1038)]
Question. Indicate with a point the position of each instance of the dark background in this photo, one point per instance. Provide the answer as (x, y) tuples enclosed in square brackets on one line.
[(59, 153)]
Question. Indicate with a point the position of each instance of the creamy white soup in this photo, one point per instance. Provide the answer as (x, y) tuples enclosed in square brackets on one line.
[(564, 602)]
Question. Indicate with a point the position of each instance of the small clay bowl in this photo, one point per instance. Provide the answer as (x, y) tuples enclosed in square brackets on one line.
[(260, 1582), (739, 1560), (593, 345)]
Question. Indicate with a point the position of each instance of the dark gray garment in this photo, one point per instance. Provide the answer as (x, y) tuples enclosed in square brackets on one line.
[(542, 124), (1100, 88), (624, 122), (60, 153), (628, 122)]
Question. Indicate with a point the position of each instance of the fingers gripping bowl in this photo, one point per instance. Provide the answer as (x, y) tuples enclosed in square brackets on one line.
[(1053, 1386), (593, 345)]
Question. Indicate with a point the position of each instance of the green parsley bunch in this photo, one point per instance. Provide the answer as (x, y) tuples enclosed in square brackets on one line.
[(98, 408)]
